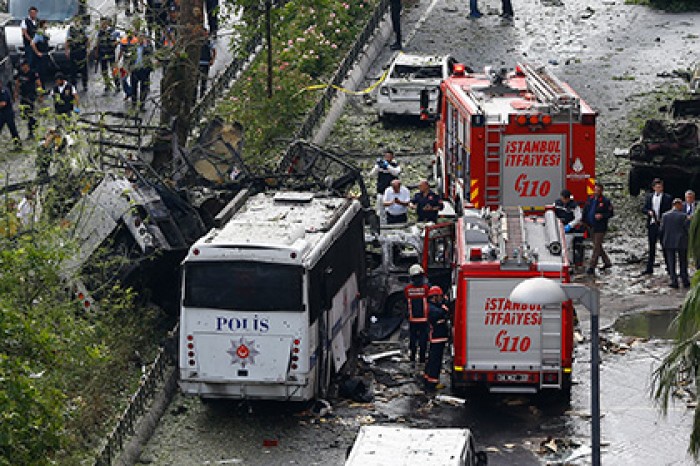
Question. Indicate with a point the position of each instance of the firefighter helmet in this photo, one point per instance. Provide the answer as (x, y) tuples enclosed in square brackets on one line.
[(435, 291), (415, 269)]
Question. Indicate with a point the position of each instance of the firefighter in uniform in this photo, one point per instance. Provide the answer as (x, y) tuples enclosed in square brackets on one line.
[(417, 300), (439, 333)]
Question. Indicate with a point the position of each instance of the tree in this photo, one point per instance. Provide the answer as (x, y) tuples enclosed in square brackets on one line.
[(681, 366), (180, 77)]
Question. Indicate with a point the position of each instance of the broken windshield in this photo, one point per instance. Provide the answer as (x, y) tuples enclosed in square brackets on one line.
[(243, 286), (51, 10), (417, 72)]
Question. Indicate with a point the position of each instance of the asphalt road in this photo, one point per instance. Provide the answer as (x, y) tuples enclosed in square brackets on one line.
[(611, 54)]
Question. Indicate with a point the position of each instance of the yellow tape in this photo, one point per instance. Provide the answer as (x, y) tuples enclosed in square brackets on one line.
[(317, 87)]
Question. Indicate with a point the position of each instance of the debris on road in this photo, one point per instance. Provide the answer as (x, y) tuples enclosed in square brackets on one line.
[(370, 359), (354, 388), (452, 400)]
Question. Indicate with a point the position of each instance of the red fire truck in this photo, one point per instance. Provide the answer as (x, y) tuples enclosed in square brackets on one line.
[(497, 344), (512, 138)]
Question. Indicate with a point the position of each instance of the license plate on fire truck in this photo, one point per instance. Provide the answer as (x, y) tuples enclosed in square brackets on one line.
[(512, 377)]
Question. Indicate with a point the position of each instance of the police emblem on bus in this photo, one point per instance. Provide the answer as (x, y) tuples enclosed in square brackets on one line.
[(242, 352)]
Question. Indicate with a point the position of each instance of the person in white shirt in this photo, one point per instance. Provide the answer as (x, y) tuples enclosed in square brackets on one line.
[(396, 200), (387, 170), (28, 210)]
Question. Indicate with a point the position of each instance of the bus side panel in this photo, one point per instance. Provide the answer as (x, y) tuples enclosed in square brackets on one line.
[(336, 296)]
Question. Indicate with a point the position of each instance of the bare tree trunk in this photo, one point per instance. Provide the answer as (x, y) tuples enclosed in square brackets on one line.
[(180, 79)]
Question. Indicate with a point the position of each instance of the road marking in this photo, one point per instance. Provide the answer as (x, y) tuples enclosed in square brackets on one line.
[(419, 23)]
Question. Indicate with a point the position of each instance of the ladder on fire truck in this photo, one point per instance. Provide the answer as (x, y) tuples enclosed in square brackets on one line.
[(548, 88), (516, 248), (494, 131)]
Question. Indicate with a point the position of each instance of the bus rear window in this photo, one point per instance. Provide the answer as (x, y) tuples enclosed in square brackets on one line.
[(243, 286)]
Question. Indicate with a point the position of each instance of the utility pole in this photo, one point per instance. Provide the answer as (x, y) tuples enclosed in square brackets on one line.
[(268, 38)]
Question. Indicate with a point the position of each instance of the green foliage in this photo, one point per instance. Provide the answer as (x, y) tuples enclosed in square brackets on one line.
[(681, 366), (60, 366), (307, 36)]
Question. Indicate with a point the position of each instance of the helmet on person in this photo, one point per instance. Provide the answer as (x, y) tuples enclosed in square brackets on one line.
[(435, 291), (415, 269)]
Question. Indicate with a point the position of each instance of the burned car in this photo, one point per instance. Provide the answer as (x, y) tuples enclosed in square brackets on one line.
[(669, 147)]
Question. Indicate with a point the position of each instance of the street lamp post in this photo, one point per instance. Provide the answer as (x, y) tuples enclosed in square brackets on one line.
[(544, 291)]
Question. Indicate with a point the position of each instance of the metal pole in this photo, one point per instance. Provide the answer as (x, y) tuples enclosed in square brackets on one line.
[(268, 38), (595, 377)]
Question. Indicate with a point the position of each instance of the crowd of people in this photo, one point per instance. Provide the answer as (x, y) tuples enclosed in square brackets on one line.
[(126, 60)]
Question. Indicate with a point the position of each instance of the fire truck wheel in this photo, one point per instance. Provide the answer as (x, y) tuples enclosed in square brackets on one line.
[(396, 306)]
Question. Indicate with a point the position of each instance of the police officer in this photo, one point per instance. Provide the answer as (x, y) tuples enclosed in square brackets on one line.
[(416, 294), (65, 97), (569, 212), (387, 170), (206, 59), (426, 203), (40, 47), (26, 84), (439, 333), (105, 52), (141, 68), (395, 7), (7, 115), (76, 51), (29, 26)]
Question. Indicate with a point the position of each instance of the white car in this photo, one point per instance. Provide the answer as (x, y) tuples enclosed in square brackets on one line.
[(408, 75)]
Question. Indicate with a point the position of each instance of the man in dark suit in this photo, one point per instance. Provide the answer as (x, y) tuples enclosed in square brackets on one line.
[(674, 240), (656, 204), (690, 203), (596, 213), (689, 207)]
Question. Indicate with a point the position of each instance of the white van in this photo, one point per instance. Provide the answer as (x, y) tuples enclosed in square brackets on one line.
[(403, 446)]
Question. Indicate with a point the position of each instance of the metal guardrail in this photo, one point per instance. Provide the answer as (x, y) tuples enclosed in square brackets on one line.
[(138, 403)]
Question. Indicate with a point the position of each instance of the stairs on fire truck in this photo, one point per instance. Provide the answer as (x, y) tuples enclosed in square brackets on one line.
[(550, 348)]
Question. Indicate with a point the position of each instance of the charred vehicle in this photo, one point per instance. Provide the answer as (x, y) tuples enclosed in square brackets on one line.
[(668, 149)]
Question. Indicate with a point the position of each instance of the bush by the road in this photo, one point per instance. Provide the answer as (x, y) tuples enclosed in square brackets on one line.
[(61, 366), (309, 38)]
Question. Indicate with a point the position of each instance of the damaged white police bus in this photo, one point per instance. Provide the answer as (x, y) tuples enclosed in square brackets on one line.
[(273, 300)]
